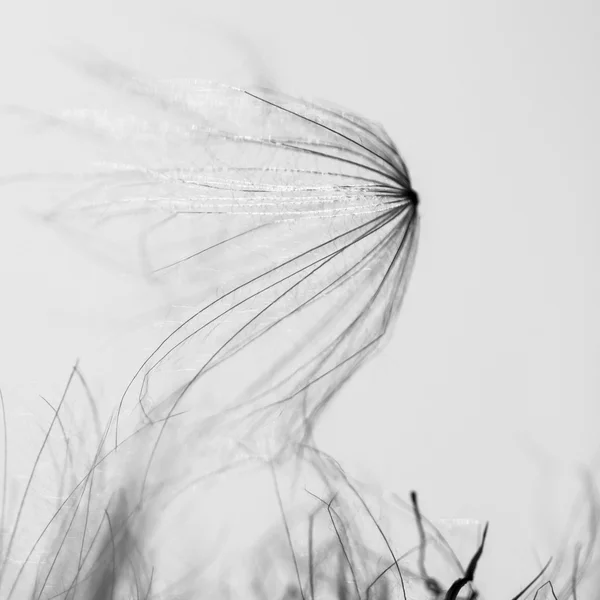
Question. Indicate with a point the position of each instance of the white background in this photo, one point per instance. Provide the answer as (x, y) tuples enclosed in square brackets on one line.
[(487, 396)]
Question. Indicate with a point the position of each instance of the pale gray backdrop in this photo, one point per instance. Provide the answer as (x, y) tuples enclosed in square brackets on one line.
[(487, 397)]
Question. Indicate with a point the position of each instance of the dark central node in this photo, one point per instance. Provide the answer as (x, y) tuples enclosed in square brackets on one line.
[(412, 196)]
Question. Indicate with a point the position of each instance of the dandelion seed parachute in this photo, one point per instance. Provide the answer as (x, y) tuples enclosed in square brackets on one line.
[(289, 228)]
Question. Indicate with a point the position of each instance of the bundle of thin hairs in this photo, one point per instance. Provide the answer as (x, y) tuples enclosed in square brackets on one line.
[(283, 234)]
